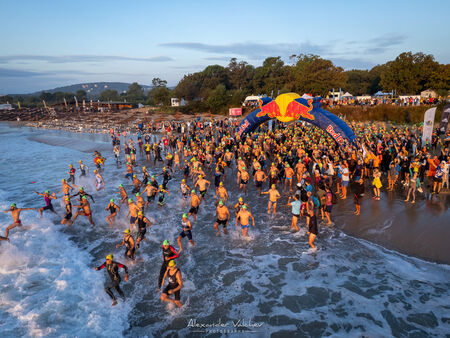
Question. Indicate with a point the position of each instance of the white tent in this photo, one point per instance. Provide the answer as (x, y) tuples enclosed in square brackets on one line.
[(347, 94)]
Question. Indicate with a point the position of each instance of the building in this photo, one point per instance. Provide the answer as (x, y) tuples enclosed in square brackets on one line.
[(176, 102), (428, 93)]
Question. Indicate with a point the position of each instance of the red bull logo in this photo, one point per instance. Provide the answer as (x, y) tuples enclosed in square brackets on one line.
[(297, 110), (271, 109), (287, 107)]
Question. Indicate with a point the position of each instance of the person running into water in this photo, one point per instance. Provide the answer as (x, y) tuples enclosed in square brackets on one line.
[(222, 193), (169, 254), (296, 206), (71, 173), (15, 213), (142, 223), (137, 184), (244, 175), (128, 241), (151, 191), (203, 186), (186, 232), (48, 202), (222, 218), (66, 188), (162, 196), (173, 275), (85, 210), (83, 168), (82, 194), (133, 210), (274, 195), (113, 209), (123, 194), (195, 202), (113, 271), (68, 216), (100, 183), (312, 222), (184, 188), (243, 217), (259, 177)]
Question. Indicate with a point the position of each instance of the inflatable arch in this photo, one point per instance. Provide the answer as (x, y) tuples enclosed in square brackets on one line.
[(290, 107)]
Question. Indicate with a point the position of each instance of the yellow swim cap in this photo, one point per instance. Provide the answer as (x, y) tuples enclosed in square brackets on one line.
[(109, 257), (127, 231), (171, 263)]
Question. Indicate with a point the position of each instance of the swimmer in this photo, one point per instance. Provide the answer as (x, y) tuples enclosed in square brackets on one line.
[(123, 194), (128, 241), (243, 218), (195, 203), (187, 231), (100, 183), (113, 272), (296, 206), (48, 201), (15, 213), (68, 216), (259, 177), (184, 188), (113, 209), (244, 176), (274, 195), (85, 210), (203, 186), (133, 210), (66, 188), (142, 224), (173, 275), (222, 218), (222, 193), (162, 196), (151, 193), (169, 254)]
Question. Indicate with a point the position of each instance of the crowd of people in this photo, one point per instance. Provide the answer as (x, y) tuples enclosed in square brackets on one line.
[(297, 163)]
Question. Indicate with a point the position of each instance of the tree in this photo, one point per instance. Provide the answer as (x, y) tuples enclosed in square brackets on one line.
[(358, 81), (80, 94), (217, 99), (270, 77), (157, 82), (189, 87), (135, 93), (317, 76), (109, 95), (159, 96), (239, 74), (409, 73)]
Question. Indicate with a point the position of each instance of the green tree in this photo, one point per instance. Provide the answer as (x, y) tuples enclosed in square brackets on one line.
[(135, 93), (270, 77), (109, 95), (217, 99), (358, 81), (317, 76), (409, 73), (159, 96), (81, 95), (157, 82)]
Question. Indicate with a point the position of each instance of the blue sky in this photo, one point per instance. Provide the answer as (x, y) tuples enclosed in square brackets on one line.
[(46, 44)]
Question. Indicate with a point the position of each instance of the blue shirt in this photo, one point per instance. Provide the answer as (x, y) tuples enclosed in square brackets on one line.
[(296, 207)]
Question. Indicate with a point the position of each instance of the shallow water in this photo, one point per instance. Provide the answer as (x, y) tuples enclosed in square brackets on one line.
[(349, 287)]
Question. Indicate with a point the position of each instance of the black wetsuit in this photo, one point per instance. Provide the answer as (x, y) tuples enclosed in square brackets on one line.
[(173, 284), (168, 255), (129, 251), (142, 225), (113, 271), (112, 209)]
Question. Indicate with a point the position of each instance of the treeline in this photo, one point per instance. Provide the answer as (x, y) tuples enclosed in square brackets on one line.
[(217, 88)]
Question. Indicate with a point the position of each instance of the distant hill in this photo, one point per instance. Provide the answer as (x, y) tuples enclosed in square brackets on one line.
[(92, 89)]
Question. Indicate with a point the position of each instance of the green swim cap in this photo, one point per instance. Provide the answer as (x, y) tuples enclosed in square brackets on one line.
[(121, 185), (244, 207), (84, 198), (220, 202), (137, 194), (166, 242), (153, 176), (13, 205), (185, 215), (130, 200), (81, 188), (112, 200), (47, 192), (193, 191)]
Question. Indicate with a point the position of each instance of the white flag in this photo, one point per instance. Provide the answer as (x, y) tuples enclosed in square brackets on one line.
[(428, 123)]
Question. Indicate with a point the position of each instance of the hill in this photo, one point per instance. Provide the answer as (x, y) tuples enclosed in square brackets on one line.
[(92, 89)]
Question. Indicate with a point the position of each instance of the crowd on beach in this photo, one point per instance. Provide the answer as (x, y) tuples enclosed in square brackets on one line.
[(376, 101), (296, 163)]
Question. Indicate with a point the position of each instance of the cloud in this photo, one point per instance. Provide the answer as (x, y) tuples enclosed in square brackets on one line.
[(252, 50), (382, 44), (80, 58), (10, 73)]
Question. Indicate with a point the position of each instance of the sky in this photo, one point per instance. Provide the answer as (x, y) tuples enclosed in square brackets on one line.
[(47, 44)]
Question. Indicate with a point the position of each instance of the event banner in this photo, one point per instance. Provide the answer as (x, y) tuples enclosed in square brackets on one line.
[(428, 123), (235, 111), (443, 126)]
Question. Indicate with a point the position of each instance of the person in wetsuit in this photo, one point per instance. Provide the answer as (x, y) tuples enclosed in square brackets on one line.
[(169, 254), (113, 209), (186, 232), (173, 275), (113, 270), (82, 194), (142, 223), (48, 201), (128, 241)]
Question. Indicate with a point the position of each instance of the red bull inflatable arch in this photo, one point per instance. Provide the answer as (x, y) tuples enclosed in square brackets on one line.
[(291, 107)]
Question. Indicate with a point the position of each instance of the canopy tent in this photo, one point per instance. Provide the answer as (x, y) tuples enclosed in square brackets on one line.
[(380, 93), (347, 94)]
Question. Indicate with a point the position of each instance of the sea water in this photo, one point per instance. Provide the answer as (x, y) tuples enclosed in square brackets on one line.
[(269, 285)]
